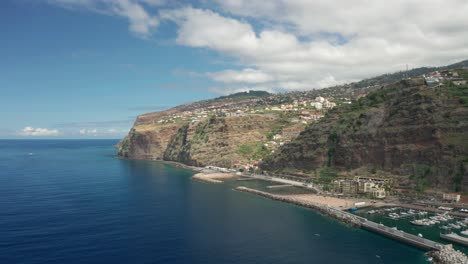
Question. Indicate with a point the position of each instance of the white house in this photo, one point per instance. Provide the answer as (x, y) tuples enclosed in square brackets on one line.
[(319, 99), (317, 105)]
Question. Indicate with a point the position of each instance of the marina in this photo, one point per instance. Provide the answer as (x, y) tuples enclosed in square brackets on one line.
[(424, 224), (355, 220)]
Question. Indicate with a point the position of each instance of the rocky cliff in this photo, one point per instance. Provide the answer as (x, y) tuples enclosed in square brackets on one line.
[(214, 141), (406, 128)]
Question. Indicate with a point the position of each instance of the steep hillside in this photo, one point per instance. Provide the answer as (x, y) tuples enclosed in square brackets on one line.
[(218, 141), (406, 128)]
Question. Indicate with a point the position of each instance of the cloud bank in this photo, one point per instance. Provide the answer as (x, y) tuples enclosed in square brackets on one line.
[(302, 44), (39, 132), (103, 132)]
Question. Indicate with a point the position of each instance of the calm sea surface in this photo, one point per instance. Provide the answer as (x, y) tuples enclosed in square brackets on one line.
[(71, 201)]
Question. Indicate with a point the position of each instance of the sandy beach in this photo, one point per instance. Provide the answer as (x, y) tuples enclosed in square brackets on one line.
[(212, 177), (339, 203)]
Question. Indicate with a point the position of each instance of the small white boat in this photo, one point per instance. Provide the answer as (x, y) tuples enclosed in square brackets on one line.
[(420, 235), (419, 223), (464, 232)]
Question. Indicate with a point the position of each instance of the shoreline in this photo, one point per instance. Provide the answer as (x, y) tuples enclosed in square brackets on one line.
[(168, 162), (212, 177), (438, 253), (321, 204)]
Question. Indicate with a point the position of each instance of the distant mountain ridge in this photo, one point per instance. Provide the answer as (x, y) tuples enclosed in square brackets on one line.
[(394, 77)]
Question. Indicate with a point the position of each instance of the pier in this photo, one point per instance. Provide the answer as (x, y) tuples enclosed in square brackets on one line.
[(419, 242), (279, 186), (246, 179), (455, 238), (346, 217)]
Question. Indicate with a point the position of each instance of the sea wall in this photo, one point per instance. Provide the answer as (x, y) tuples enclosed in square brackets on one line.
[(441, 254), (326, 210)]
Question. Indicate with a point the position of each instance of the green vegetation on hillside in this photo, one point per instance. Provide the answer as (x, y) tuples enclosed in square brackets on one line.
[(252, 150), (390, 130), (244, 95)]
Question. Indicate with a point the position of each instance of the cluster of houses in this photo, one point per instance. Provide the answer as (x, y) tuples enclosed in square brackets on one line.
[(437, 77), (361, 185), (321, 103), (307, 110)]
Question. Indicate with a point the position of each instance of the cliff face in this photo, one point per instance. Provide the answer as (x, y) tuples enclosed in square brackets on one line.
[(214, 141), (147, 141), (405, 128)]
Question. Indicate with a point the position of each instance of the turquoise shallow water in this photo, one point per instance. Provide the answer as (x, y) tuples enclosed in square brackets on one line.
[(73, 202)]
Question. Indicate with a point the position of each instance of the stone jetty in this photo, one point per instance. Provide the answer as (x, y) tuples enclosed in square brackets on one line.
[(439, 254), (326, 210)]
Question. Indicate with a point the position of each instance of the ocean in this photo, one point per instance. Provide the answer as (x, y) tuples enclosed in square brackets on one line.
[(73, 201)]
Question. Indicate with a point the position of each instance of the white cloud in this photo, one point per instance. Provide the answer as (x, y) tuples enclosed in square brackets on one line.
[(102, 132), (88, 131), (141, 22), (303, 44), (325, 45), (39, 132), (244, 76)]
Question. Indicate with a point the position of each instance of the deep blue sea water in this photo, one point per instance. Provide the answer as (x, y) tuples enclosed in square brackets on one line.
[(71, 201)]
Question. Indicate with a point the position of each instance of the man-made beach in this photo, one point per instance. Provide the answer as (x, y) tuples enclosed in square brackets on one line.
[(325, 200), (212, 177)]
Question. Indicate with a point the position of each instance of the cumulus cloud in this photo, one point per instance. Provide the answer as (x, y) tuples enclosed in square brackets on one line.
[(244, 76), (303, 44), (325, 45), (140, 21), (39, 132)]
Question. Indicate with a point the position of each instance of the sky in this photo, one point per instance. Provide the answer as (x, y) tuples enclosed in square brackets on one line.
[(87, 68)]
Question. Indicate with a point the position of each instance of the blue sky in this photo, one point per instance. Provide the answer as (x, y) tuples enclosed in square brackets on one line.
[(72, 70), (86, 68)]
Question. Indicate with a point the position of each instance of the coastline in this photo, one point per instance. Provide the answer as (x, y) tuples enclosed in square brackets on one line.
[(168, 162), (212, 177), (439, 253), (326, 205)]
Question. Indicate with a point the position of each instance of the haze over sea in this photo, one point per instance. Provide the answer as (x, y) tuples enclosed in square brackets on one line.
[(72, 201)]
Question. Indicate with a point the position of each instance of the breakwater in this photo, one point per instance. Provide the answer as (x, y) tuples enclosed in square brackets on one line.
[(326, 210), (440, 253)]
